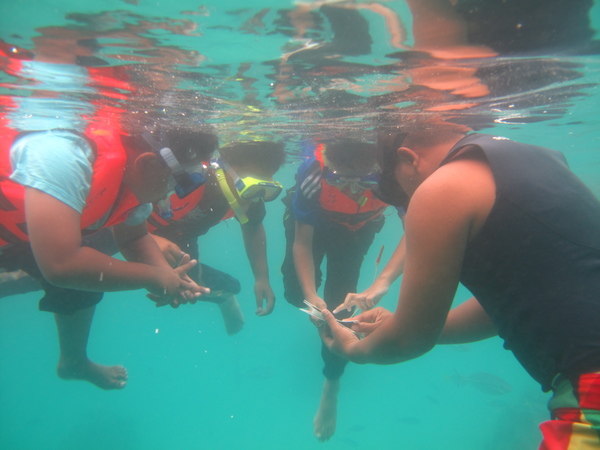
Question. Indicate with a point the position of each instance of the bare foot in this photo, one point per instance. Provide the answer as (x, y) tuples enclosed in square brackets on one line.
[(105, 377), (232, 315), (326, 416)]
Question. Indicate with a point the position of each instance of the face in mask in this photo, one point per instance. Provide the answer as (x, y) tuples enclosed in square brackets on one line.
[(388, 189)]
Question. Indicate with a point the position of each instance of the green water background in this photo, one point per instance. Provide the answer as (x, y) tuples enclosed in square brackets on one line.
[(193, 387)]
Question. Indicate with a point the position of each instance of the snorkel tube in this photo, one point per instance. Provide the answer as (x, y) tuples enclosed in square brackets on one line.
[(224, 185), (186, 182)]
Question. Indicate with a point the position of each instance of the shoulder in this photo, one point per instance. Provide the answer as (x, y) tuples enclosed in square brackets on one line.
[(57, 162), (309, 178), (52, 144), (460, 193)]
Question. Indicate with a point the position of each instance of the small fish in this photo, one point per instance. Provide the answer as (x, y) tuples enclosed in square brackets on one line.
[(377, 261), (356, 428), (433, 400), (409, 421), (484, 382)]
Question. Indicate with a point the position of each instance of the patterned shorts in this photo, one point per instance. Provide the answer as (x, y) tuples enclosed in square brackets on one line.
[(575, 409)]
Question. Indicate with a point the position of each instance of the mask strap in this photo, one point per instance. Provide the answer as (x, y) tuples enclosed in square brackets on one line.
[(182, 177)]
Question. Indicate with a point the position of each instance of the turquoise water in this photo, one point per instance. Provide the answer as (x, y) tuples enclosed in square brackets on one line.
[(190, 385)]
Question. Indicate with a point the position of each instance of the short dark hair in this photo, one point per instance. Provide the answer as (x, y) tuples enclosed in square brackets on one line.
[(350, 153), (186, 144), (417, 131), (268, 155), (203, 142)]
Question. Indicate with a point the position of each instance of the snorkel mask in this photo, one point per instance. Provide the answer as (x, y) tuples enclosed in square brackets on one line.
[(354, 183), (253, 189), (248, 188), (185, 182)]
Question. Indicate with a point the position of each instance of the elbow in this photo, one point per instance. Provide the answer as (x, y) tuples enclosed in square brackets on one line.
[(58, 275), (410, 350), (392, 352)]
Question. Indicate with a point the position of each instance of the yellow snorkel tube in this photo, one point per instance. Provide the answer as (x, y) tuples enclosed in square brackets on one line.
[(224, 185)]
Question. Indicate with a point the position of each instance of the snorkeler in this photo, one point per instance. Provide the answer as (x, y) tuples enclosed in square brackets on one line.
[(59, 184), (516, 227), (237, 184), (330, 212)]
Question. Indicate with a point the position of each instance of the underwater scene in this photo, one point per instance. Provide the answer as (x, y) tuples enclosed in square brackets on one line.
[(237, 371)]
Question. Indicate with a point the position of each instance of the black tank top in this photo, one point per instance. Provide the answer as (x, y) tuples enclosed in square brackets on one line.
[(535, 264)]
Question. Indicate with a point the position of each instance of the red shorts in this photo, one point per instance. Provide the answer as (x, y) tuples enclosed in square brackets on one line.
[(575, 409)]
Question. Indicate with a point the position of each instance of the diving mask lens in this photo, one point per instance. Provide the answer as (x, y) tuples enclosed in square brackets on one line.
[(364, 182), (255, 189)]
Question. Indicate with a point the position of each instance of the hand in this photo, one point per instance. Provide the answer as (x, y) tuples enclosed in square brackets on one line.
[(370, 320), (338, 338), (317, 301), (177, 287), (171, 251), (366, 299), (263, 291)]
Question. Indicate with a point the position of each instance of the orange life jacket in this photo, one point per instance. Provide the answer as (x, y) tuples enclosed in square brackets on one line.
[(343, 209), (180, 207), (106, 196)]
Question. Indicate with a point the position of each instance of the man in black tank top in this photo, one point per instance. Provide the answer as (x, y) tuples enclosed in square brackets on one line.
[(514, 225)]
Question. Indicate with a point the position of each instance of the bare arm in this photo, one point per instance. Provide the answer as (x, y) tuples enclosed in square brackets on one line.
[(466, 323), (54, 231), (255, 241), (304, 262), (371, 296), (439, 223)]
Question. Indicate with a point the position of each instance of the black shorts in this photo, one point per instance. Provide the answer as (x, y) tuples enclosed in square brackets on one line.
[(219, 283), (56, 299), (68, 301)]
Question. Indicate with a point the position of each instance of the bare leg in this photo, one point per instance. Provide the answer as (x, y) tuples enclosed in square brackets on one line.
[(17, 282), (326, 416), (232, 314), (73, 364)]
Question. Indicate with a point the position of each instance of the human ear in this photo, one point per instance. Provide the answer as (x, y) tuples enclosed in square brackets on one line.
[(147, 164), (408, 156)]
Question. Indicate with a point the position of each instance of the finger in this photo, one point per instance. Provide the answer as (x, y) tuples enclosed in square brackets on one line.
[(191, 286), (185, 266), (330, 320), (365, 327), (158, 301), (316, 322), (258, 298), (184, 258), (347, 305), (184, 297), (199, 290), (171, 259), (270, 305), (325, 334)]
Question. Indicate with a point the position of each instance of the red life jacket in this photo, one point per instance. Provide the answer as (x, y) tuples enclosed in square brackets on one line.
[(343, 209), (180, 207), (106, 196)]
